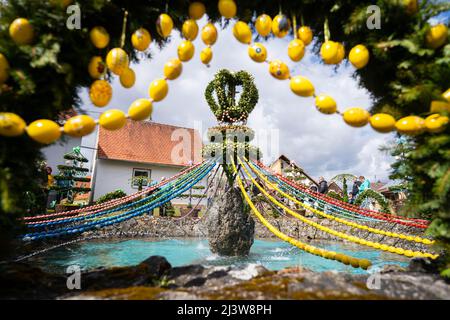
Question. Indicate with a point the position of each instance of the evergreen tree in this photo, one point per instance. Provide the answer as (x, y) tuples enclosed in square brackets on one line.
[(71, 175)]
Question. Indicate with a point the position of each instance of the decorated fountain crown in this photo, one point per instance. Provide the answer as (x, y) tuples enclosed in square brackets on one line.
[(231, 136), (224, 105)]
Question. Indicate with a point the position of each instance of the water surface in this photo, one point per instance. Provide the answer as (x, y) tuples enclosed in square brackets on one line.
[(272, 254)]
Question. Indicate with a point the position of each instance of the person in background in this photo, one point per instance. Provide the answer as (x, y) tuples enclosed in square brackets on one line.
[(323, 185), (50, 179), (310, 201), (365, 184), (355, 190), (52, 195)]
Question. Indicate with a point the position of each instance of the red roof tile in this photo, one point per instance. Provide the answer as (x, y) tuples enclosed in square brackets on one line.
[(150, 142)]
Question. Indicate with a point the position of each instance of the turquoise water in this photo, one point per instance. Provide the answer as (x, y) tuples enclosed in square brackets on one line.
[(274, 255)]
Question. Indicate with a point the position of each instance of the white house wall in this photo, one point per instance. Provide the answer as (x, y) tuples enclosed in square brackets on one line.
[(113, 175)]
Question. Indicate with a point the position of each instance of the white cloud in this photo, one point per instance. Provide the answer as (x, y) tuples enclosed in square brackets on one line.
[(321, 144)]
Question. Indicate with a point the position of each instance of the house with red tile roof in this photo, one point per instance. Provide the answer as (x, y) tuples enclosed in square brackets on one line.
[(142, 149), (284, 166)]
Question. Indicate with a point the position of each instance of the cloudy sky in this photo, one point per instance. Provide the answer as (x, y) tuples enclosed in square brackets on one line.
[(290, 125)]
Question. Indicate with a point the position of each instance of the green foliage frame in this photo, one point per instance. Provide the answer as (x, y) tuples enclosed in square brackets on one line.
[(46, 78)]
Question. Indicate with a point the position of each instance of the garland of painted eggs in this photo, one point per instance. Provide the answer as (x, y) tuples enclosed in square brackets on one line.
[(47, 131), (332, 53)]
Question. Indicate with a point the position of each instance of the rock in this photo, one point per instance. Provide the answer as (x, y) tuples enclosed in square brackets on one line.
[(422, 265), (187, 276), (177, 295), (156, 265), (193, 269), (230, 228), (248, 272)]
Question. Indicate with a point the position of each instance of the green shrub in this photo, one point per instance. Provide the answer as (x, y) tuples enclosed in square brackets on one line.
[(110, 196), (335, 195)]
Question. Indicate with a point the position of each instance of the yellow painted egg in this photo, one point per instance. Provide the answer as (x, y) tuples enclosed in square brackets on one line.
[(354, 262), (206, 55), (196, 10), (382, 122), (99, 37), (127, 78), (257, 52), (436, 123), (340, 54), (44, 131), (411, 125), (141, 39), (209, 34), (140, 109), (301, 86), (439, 106), (190, 29), (21, 31), (328, 51), (11, 125), (345, 259), (356, 117), (158, 89), (281, 26), (173, 69), (117, 61), (331, 255), (242, 32), (365, 264), (113, 119), (296, 50), (279, 69), (359, 56), (305, 34), (4, 69), (263, 25), (326, 104), (185, 50), (227, 8), (409, 253), (436, 36), (411, 6), (79, 126), (100, 93), (164, 25), (61, 3), (446, 95), (96, 67)]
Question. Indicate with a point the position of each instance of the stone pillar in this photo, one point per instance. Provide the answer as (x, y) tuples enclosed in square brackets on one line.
[(230, 229)]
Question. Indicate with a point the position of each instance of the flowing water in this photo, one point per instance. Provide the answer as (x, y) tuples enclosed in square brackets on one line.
[(272, 254)]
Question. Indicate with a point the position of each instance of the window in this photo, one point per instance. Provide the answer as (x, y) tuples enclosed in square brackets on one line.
[(140, 176)]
